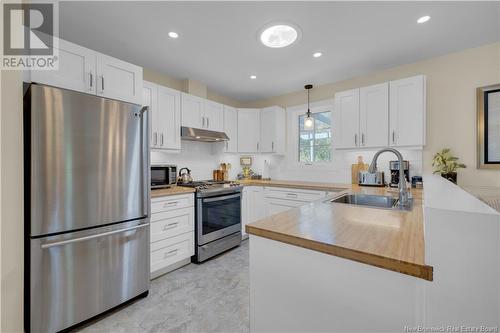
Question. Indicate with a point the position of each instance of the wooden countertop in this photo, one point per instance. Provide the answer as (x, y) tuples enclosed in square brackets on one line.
[(388, 239), (171, 191)]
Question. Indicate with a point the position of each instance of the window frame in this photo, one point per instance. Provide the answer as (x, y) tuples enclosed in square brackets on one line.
[(314, 132), (293, 114)]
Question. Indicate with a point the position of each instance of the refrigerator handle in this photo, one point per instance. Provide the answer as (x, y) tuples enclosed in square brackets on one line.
[(145, 160), (81, 239)]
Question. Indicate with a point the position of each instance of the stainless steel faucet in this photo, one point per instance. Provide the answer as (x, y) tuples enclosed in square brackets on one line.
[(403, 192)]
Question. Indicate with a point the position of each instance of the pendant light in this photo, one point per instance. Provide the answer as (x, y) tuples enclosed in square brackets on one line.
[(309, 121)]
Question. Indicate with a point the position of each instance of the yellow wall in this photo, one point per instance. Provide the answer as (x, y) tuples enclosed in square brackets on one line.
[(11, 177), (183, 85), (451, 102)]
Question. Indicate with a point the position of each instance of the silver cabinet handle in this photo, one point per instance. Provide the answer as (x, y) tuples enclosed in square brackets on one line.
[(81, 239), (91, 81), (208, 122), (272, 146), (363, 139), (257, 146), (293, 195), (356, 140), (170, 253), (155, 138), (203, 119), (161, 139), (393, 137), (102, 83), (165, 205), (170, 226)]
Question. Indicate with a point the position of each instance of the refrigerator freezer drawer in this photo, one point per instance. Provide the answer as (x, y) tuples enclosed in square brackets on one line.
[(79, 275)]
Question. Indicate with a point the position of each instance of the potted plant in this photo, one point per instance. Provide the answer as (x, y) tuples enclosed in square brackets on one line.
[(446, 164)]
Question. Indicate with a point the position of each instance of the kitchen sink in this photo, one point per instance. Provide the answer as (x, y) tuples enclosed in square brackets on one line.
[(378, 201)]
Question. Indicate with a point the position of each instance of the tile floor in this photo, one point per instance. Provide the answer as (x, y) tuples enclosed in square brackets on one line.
[(211, 297)]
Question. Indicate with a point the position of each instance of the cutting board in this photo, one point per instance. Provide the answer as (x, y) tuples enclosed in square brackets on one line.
[(355, 168)]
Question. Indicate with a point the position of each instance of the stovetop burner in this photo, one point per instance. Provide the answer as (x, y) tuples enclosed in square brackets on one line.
[(214, 186)]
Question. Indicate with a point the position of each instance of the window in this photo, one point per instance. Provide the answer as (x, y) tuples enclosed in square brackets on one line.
[(315, 143)]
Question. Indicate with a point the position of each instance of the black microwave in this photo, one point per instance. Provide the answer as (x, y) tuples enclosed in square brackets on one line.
[(163, 175)]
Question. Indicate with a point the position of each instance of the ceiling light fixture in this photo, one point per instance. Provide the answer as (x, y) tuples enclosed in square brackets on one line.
[(424, 19), (309, 121), (279, 35), (173, 34), (317, 54), (253, 77)]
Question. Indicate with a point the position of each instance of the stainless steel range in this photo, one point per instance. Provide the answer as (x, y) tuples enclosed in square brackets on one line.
[(218, 217)]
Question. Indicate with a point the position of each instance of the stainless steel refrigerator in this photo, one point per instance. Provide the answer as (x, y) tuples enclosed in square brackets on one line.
[(86, 206)]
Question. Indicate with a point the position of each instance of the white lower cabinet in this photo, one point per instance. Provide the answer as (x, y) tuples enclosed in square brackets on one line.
[(260, 202), (253, 206), (172, 232)]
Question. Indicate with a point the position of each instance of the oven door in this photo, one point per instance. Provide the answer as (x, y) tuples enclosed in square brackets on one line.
[(217, 216)]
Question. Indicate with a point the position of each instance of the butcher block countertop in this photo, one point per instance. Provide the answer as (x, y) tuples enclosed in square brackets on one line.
[(388, 239), (171, 191)]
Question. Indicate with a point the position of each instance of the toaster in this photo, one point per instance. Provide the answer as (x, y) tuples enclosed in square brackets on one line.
[(366, 178)]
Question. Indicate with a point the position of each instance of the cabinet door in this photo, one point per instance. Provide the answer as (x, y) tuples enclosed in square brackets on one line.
[(272, 129), (214, 116), (150, 98), (231, 129), (118, 79), (347, 119), (169, 118), (259, 203), (77, 68), (246, 206), (374, 115), (248, 130), (407, 111), (192, 111)]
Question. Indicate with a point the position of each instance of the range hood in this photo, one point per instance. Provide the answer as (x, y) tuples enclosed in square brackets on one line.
[(198, 134)]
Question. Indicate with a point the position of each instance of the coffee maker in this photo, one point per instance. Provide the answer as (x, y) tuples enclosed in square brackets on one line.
[(394, 168)]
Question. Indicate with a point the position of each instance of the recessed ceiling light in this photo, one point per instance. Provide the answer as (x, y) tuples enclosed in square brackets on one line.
[(279, 35), (173, 34), (424, 19), (253, 77), (317, 54)]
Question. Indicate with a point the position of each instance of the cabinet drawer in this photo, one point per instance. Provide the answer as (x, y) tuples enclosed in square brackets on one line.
[(168, 203), (293, 194), (169, 251), (171, 223)]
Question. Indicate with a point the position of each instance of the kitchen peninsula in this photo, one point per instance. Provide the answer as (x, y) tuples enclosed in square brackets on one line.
[(337, 267)]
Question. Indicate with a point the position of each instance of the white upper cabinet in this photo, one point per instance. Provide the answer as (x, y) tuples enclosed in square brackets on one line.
[(407, 111), (214, 116), (150, 98), (374, 115), (248, 130), (273, 130), (118, 79), (165, 115), (192, 111), (77, 69), (346, 116), (87, 71), (231, 129), (198, 112), (169, 118)]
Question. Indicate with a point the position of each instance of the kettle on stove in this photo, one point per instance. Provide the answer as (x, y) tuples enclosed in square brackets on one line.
[(184, 177)]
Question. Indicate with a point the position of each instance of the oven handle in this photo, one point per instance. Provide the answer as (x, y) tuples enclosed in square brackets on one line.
[(224, 197)]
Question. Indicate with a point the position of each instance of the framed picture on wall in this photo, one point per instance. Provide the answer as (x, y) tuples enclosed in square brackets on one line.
[(488, 127)]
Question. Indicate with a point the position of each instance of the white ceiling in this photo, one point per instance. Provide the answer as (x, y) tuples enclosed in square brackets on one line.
[(219, 46)]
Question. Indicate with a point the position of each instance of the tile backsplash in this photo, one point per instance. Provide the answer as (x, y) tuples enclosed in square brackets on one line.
[(203, 157)]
